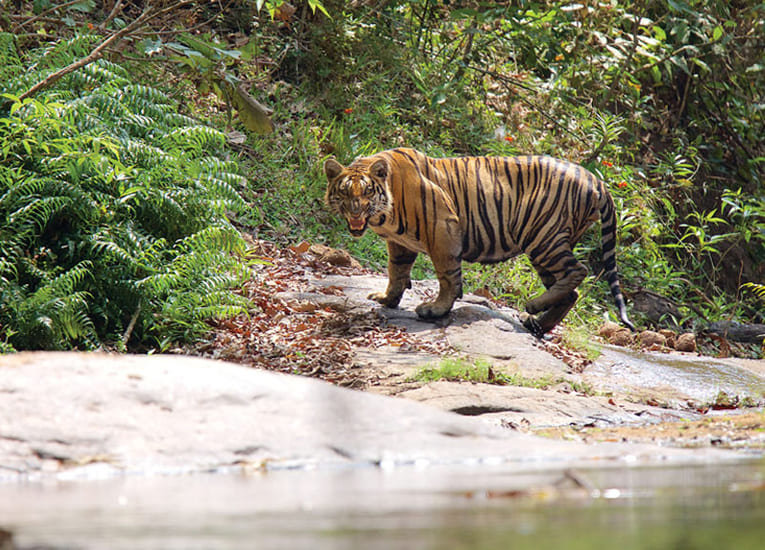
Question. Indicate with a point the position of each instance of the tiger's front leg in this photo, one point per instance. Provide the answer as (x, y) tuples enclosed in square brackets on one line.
[(450, 288), (400, 260), (446, 255)]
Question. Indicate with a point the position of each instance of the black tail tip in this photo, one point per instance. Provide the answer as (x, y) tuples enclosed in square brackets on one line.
[(627, 323)]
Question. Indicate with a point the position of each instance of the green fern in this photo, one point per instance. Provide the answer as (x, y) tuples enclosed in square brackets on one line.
[(195, 138), (10, 64), (113, 207), (55, 315), (62, 53)]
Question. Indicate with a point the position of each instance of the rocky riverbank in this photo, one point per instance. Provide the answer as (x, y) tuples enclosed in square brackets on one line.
[(472, 387)]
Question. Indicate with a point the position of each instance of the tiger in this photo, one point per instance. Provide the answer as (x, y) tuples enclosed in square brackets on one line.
[(483, 209)]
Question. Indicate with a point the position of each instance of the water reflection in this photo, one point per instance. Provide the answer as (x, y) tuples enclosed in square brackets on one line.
[(698, 507)]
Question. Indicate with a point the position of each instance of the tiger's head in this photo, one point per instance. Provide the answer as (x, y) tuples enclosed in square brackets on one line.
[(359, 192)]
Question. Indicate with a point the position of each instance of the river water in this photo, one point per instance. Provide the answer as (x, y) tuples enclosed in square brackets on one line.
[(699, 378), (702, 506)]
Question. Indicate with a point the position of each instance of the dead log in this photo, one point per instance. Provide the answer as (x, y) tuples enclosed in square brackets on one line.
[(658, 309), (737, 332)]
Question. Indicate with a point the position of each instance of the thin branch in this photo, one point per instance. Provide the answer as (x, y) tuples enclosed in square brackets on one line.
[(193, 28), (131, 325), (677, 52)]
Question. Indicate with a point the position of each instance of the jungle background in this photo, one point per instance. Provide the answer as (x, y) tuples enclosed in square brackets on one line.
[(143, 144)]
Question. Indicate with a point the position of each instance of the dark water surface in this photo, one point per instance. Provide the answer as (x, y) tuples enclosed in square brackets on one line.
[(716, 507)]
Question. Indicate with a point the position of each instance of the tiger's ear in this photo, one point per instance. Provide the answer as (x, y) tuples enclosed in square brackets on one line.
[(380, 169), (332, 168)]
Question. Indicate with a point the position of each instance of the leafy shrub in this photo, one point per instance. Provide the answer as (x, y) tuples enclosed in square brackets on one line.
[(113, 210)]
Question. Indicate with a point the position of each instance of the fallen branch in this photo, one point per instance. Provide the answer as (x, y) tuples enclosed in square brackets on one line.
[(738, 332)]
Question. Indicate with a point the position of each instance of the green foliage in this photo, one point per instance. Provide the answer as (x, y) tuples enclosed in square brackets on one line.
[(213, 68), (113, 226), (662, 100), (273, 7)]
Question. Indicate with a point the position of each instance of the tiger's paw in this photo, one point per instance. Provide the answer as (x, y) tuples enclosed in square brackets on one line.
[(531, 324), (384, 299), (432, 310)]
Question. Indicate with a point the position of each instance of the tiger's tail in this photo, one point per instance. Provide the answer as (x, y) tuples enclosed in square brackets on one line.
[(608, 236)]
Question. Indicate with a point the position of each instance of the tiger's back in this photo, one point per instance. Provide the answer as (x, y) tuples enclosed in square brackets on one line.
[(509, 205), (482, 209)]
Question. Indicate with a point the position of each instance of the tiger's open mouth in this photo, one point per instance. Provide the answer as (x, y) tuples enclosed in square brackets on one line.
[(357, 226)]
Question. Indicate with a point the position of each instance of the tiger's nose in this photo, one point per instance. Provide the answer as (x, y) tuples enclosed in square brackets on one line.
[(355, 206)]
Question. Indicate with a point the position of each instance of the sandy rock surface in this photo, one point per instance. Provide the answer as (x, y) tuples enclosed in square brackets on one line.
[(94, 415)]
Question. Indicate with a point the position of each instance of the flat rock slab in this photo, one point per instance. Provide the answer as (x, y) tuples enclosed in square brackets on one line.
[(474, 327), (93, 415), (623, 386), (526, 407)]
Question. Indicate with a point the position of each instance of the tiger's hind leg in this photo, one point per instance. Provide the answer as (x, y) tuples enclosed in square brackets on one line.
[(547, 321), (558, 299)]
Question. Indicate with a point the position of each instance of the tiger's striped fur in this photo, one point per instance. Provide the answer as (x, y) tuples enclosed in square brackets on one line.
[(478, 209)]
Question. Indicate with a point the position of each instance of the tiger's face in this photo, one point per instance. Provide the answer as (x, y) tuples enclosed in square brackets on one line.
[(359, 192)]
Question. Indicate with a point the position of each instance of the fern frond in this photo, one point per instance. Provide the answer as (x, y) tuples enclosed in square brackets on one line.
[(133, 93), (17, 187), (8, 53), (31, 271), (72, 320), (233, 179), (39, 212), (109, 198), (198, 138), (85, 80), (103, 72), (63, 52), (106, 105), (171, 204), (162, 283), (123, 245), (222, 189), (143, 153), (220, 310), (11, 251), (10, 63), (40, 199), (114, 253), (215, 238), (146, 101), (7, 265), (178, 119), (55, 315), (140, 122), (64, 284)]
